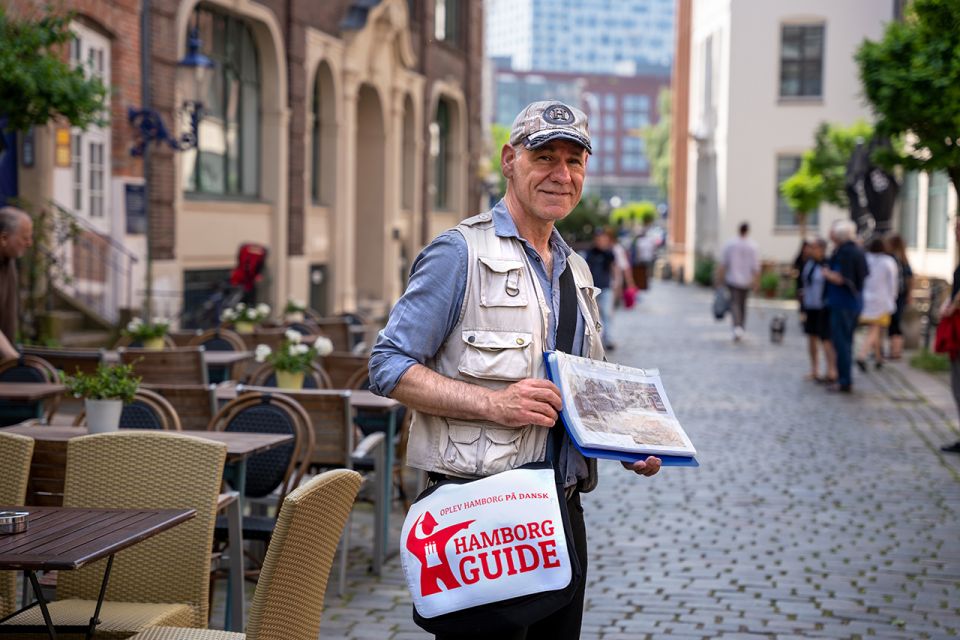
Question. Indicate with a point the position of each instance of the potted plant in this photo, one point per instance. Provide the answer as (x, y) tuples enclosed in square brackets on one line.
[(293, 359), (245, 319), (149, 334), (104, 393), (294, 310), (769, 283)]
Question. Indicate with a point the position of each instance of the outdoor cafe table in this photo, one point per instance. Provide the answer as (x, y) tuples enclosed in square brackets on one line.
[(30, 391), (64, 539)]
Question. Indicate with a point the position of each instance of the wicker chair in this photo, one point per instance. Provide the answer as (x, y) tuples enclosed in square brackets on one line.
[(288, 602), (196, 404), (160, 581), (68, 360), (265, 376), (272, 337), (346, 370), (182, 365), (16, 452), (130, 343), (149, 410), (27, 368), (221, 340)]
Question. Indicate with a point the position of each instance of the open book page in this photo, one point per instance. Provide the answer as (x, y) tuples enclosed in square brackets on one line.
[(610, 406)]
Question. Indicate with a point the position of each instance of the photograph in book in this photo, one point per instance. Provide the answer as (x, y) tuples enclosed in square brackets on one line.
[(610, 406)]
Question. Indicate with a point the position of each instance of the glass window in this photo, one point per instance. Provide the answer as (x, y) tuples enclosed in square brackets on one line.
[(96, 180), (908, 208), (446, 21), (441, 162), (610, 102), (937, 217), (801, 61), (76, 166), (315, 144), (786, 216), (227, 160)]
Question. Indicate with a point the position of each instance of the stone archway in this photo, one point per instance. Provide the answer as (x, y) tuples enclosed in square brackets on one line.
[(370, 238)]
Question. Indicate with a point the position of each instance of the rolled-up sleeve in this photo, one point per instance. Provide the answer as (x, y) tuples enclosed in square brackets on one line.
[(425, 315)]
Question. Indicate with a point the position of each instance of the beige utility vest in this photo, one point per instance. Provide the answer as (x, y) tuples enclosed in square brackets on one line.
[(499, 339)]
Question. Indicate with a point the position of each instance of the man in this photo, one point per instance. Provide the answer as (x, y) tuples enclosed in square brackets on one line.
[(16, 236), (845, 275), (462, 347), (739, 271), (602, 261)]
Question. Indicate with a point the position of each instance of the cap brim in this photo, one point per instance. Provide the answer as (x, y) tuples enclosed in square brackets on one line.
[(537, 140)]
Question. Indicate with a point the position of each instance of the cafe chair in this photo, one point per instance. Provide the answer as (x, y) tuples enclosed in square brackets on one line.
[(345, 369), (67, 360), (27, 368), (273, 337), (181, 365), (148, 410), (315, 378), (16, 452), (160, 581), (220, 340), (288, 601), (196, 404)]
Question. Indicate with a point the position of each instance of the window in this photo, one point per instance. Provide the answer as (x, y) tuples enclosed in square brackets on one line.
[(227, 158), (442, 159), (801, 61), (787, 217), (446, 21), (76, 165), (96, 180), (908, 209), (937, 217)]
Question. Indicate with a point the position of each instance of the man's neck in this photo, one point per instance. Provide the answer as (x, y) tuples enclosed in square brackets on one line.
[(535, 231)]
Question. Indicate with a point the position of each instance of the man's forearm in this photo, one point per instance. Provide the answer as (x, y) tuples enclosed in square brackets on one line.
[(425, 390)]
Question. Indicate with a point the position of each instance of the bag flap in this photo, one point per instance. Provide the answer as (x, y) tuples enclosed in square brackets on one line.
[(496, 340), (501, 265)]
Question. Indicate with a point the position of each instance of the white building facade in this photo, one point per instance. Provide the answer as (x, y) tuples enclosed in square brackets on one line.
[(763, 76)]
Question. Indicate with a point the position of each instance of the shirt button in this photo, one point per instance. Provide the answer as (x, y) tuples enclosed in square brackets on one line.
[(519, 340)]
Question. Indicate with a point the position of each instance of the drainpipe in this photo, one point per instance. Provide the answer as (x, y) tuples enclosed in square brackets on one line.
[(145, 99)]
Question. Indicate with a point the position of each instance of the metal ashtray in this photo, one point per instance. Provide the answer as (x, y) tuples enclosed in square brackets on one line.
[(13, 522)]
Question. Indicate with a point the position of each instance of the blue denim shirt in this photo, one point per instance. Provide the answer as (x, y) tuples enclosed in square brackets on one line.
[(430, 307)]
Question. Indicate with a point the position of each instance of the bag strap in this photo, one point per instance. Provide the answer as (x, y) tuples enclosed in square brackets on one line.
[(566, 331)]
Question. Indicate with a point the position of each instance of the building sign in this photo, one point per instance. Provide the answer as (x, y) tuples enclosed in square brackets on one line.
[(134, 199)]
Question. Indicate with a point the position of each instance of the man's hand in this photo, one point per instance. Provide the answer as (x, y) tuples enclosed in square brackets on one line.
[(832, 276), (648, 467), (530, 401)]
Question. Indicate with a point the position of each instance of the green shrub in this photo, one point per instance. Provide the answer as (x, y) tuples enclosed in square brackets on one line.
[(770, 282), (703, 270), (927, 361), (115, 382)]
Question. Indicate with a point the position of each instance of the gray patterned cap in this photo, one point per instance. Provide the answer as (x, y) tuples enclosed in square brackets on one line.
[(541, 122)]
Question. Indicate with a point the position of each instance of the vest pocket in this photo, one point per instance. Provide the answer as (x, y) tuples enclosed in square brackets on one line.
[(501, 450), (496, 355), (462, 451), (501, 283), (589, 295)]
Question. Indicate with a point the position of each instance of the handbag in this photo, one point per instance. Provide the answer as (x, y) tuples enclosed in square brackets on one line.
[(947, 338), (721, 303), (629, 297), (496, 554)]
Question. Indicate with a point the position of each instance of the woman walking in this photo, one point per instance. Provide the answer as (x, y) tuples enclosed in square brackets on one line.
[(879, 301), (897, 249), (816, 323)]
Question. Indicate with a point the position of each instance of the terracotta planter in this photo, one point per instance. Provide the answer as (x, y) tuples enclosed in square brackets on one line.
[(103, 416), (154, 344), (243, 327), (292, 380)]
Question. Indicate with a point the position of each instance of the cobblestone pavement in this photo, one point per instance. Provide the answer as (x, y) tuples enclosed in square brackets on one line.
[(813, 515)]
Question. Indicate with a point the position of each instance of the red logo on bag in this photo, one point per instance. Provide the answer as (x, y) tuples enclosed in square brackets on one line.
[(431, 551)]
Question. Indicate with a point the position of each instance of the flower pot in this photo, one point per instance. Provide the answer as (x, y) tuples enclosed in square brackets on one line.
[(242, 326), (154, 344), (293, 316), (290, 380), (103, 416)]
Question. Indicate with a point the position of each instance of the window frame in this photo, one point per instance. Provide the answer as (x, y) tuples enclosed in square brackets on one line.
[(813, 217), (804, 62)]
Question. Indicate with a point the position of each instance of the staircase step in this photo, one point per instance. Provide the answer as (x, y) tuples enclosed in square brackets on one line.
[(86, 339), (65, 321)]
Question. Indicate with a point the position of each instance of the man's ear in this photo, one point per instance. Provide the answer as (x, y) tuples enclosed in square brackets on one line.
[(507, 155)]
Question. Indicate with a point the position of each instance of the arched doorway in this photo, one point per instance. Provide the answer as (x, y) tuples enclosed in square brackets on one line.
[(370, 250)]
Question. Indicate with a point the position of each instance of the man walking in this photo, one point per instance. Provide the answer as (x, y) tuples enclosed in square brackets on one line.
[(463, 346), (739, 271), (16, 236), (845, 275)]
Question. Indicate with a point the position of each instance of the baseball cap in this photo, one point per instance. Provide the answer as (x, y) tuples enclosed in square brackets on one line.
[(546, 120)]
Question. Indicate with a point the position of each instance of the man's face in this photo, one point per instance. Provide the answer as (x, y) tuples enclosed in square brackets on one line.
[(546, 182), (16, 243)]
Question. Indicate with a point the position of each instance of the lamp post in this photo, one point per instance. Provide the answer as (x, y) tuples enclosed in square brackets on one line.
[(194, 75)]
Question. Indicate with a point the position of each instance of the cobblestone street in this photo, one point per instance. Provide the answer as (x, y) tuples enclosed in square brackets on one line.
[(812, 515)]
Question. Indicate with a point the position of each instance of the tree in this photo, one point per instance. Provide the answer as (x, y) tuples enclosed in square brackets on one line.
[(581, 223), (911, 78), (803, 191), (635, 212), (500, 136), (36, 84), (657, 140)]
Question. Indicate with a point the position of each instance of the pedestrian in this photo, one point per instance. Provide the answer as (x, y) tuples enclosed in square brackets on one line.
[(739, 270), (16, 236), (844, 274), (602, 261), (816, 321), (879, 301), (645, 253), (950, 307), (897, 249), (463, 345), (623, 285)]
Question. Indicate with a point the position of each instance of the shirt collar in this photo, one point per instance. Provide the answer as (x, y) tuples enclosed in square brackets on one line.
[(505, 227)]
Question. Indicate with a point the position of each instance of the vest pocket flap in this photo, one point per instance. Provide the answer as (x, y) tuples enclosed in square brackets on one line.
[(497, 340), (503, 435), (501, 265), (590, 292), (464, 434)]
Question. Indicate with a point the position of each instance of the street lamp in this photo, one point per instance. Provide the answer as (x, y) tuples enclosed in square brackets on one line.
[(194, 74)]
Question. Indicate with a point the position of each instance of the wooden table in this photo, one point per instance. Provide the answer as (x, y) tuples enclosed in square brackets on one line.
[(64, 539), (30, 391)]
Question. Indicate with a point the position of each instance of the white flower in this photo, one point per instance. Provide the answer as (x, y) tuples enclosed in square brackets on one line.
[(301, 349), (134, 325), (298, 305), (323, 345), (263, 309), (240, 307), (228, 315), (250, 314), (260, 355), (293, 336), (160, 320)]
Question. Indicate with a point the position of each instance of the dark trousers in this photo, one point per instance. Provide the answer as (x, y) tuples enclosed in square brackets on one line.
[(565, 623), (842, 324), (738, 305)]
